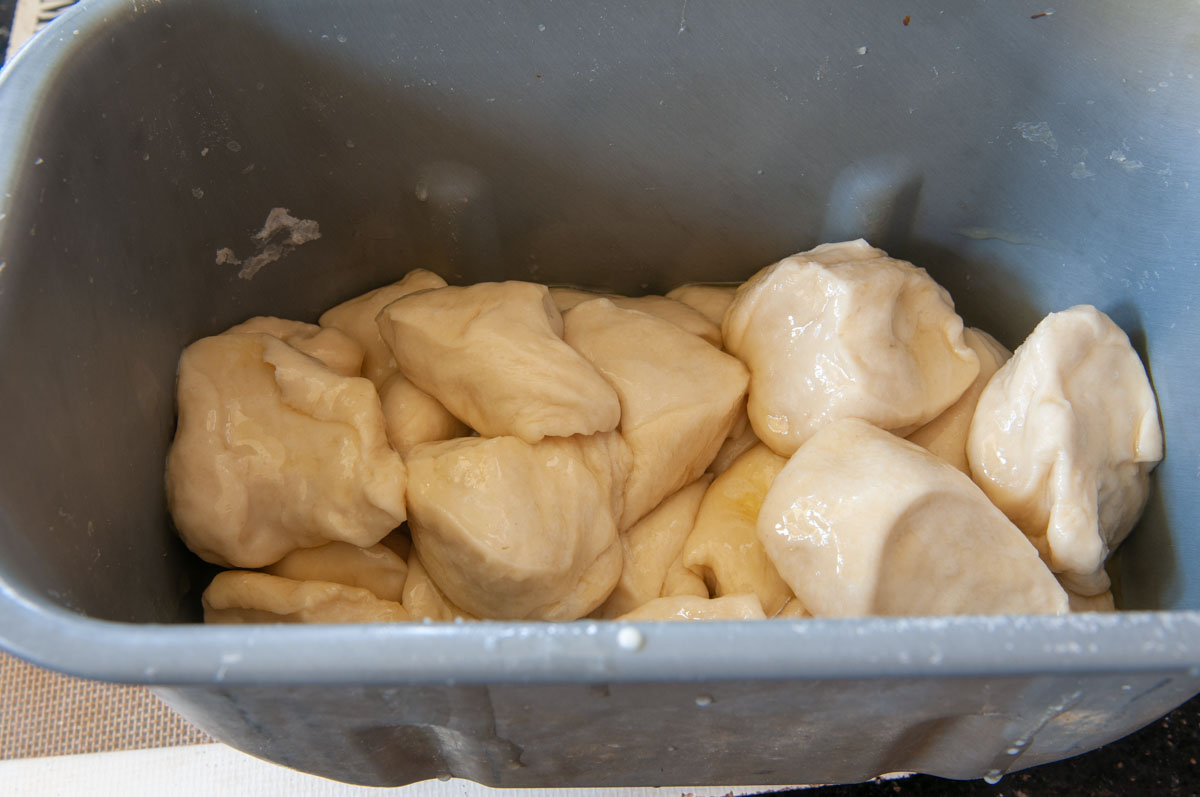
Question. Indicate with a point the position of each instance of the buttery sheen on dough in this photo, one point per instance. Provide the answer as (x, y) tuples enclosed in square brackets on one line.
[(861, 522), (690, 607), (844, 331), (1064, 438), (510, 530), (493, 354), (339, 351), (274, 451), (724, 547)]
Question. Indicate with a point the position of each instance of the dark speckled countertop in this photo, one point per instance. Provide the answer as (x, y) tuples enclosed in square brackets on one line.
[(1161, 759)]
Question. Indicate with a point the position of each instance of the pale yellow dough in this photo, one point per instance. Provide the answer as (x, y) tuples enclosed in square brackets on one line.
[(860, 522), (651, 548), (336, 349), (412, 416), (711, 301), (242, 596), (946, 435), (356, 317), (274, 451), (686, 318), (724, 547), (1064, 438), (844, 331), (690, 607), (678, 396), (423, 600), (518, 531), (377, 568), (740, 440), (493, 355)]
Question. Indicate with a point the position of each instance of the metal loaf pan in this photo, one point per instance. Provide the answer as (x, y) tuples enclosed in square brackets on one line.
[(1029, 164)]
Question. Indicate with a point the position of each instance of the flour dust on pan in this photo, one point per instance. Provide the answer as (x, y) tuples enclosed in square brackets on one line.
[(280, 234)]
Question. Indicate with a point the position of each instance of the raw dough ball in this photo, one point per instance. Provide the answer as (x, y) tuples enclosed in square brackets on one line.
[(412, 416), (274, 452), (423, 600), (844, 331), (741, 439), (356, 317), (651, 548), (711, 301), (946, 435), (860, 522), (1064, 438), (686, 318), (1091, 603), (377, 569), (689, 607), (517, 531), (241, 596), (724, 547), (678, 396), (339, 351), (493, 355)]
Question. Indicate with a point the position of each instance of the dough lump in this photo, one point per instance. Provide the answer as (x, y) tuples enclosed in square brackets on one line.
[(844, 331)]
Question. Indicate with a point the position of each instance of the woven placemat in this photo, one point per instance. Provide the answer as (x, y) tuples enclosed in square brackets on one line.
[(44, 713)]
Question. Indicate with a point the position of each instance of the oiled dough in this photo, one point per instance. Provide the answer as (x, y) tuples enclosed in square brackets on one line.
[(740, 440), (1064, 438), (377, 568), (274, 451), (356, 317), (423, 600), (518, 531), (724, 547), (844, 331), (243, 596), (690, 607), (711, 301), (339, 351), (678, 313), (412, 416), (946, 435), (651, 548), (860, 522), (493, 355), (678, 396)]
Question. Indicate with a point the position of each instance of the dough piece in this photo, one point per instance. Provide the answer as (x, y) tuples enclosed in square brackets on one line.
[(412, 416), (711, 301), (241, 596), (650, 549), (792, 610), (860, 522), (741, 439), (689, 607), (682, 580), (517, 531), (844, 331), (339, 351), (356, 317), (1091, 603), (946, 435), (1064, 438), (425, 601), (724, 547), (686, 318), (274, 451), (377, 569), (679, 396), (493, 355)]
